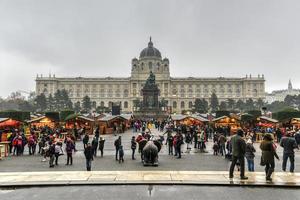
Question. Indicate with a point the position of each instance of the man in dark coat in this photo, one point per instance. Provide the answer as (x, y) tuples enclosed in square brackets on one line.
[(88, 152), (133, 147), (289, 144), (117, 144), (101, 145), (238, 154)]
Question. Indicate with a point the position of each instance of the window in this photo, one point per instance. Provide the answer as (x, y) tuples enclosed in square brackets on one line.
[(150, 66), (102, 104), (126, 93), (174, 104), (190, 104), (102, 93), (182, 105), (110, 93), (94, 104), (125, 104)]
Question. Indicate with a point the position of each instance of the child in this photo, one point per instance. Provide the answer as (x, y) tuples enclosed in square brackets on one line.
[(121, 154), (216, 148)]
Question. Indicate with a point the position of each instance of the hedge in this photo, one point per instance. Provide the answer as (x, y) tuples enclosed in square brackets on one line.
[(64, 114), (16, 115)]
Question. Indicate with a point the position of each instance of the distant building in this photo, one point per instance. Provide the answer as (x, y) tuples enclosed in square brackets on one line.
[(179, 92), (279, 95)]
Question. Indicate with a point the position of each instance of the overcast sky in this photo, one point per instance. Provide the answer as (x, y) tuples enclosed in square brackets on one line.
[(99, 38)]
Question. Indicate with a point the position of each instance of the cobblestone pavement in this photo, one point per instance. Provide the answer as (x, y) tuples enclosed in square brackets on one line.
[(191, 161)]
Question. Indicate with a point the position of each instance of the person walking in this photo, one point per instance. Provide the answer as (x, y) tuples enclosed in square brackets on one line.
[(58, 151), (179, 142), (170, 143), (118, 143), (268, 153), (85, 140), (238, 154), (250, 150), (101, 145), (133, 147), (121, 154), (51, 153), (95, 145), (70, 147), (222, 144), (288, 143), (88, 153)]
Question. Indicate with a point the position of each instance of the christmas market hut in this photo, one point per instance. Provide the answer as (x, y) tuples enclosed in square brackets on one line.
[(115, 123), (188, 119), (79, 121), (230, 122)]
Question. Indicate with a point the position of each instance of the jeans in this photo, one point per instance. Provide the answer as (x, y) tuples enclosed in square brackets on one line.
[(133, 152), (69, 158), (222, 149), (287, 156), (51, 161), (88, 164), (117, 152), (233, 163), (170, 149), (250, 165)]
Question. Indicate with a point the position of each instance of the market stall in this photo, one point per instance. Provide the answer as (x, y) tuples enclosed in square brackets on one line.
[(189, 120), (226, 121), (6, 124), (295, 122), (79, 122), (114, 123), (42, 122)]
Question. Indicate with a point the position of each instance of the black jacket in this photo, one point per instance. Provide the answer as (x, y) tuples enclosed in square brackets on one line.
[(288, 144), (88, 152)]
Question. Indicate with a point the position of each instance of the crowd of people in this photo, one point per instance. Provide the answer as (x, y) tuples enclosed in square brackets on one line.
[(50, 144)]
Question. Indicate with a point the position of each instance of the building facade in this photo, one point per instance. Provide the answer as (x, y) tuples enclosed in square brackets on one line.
[(180, 93), (279, 95)]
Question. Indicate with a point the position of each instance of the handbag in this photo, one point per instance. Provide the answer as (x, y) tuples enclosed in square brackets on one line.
[(262, 162)]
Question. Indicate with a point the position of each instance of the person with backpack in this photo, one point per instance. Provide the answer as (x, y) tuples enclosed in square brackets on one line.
[(31, 145), (70, 147), (117, 144)]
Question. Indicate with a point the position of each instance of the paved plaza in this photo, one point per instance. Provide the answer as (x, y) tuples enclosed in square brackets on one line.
[(192, 161)]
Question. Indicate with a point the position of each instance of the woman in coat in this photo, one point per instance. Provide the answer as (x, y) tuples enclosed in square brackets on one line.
[(268, 153)]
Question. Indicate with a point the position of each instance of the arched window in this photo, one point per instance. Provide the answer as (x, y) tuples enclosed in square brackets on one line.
[(110, 104), (94, 104), (125, 104), (182, 105), (102, 103), (174, 104)]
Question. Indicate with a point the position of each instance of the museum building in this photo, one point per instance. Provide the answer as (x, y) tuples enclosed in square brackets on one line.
[(179, 92)]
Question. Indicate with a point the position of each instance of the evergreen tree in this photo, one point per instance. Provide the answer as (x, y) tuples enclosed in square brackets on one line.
[(240, 105), (57, 99), (50, 103), (41, 102), (223, 105), (230, 104), (86, 104), (249, 105), (214, 102), (200, 106), (259, 104), (77, 107), (64, 99)]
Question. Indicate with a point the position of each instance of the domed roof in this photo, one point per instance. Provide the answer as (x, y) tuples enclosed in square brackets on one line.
[(150, 51)]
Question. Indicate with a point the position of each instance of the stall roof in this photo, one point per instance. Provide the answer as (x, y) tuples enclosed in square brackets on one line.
[(74, 116), (219, 118), (36, 119), (181, 117), (111, 117), (3, 119), (269, 119)]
